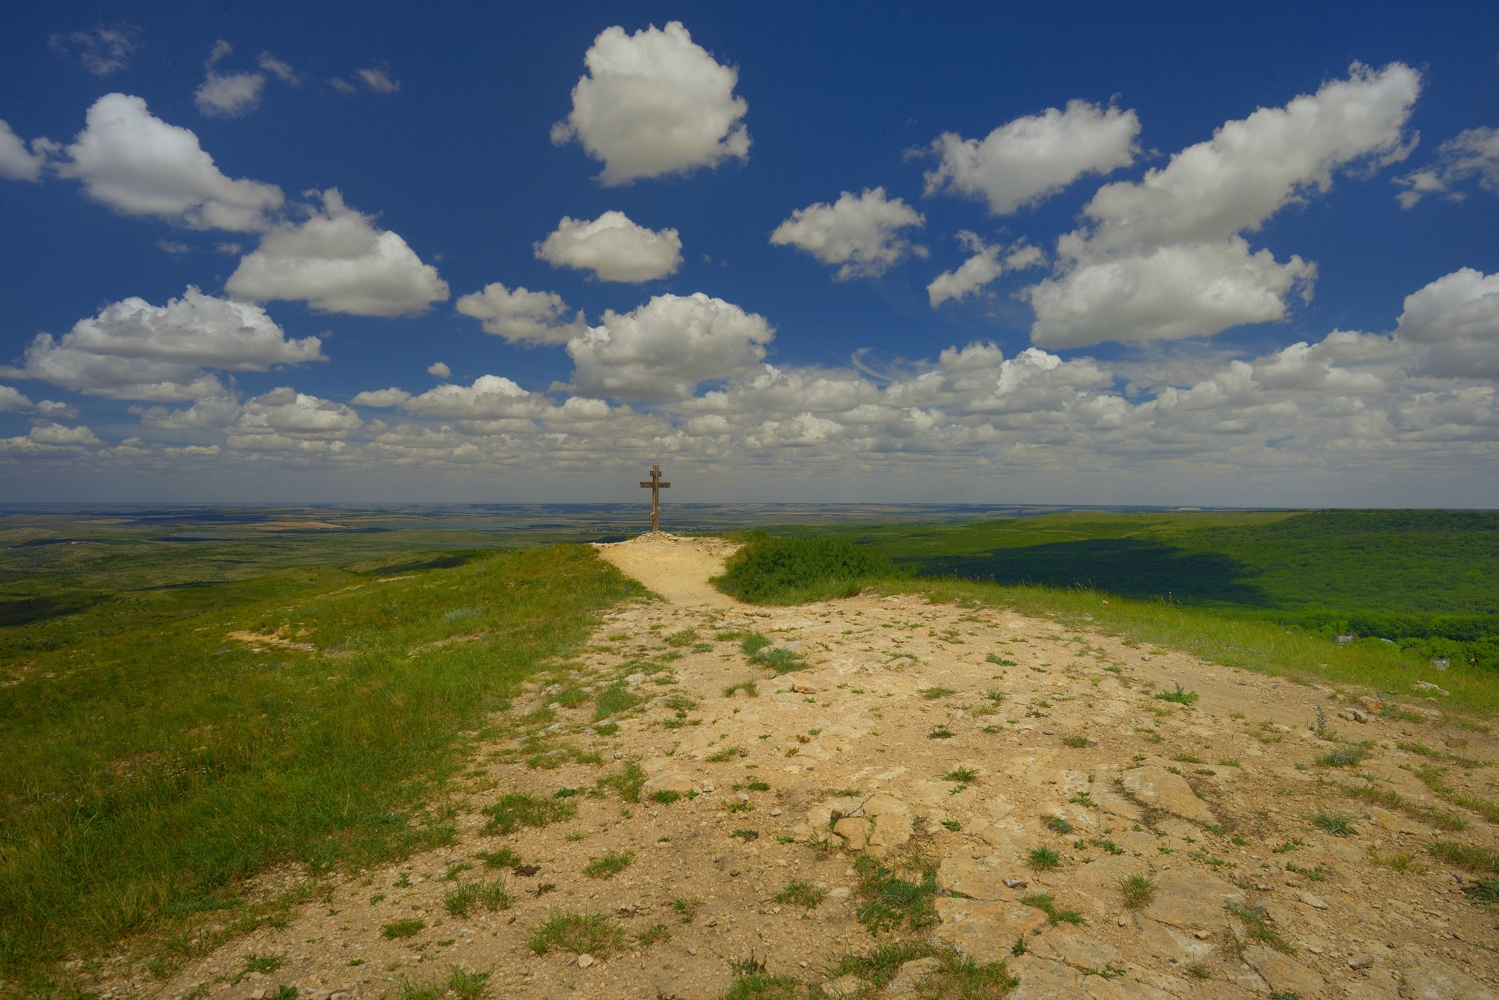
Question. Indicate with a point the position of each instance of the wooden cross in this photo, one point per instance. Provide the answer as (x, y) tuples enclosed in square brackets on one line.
[(656, 486)]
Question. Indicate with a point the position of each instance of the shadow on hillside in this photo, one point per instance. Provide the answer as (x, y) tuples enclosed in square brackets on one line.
[(1130, 567)]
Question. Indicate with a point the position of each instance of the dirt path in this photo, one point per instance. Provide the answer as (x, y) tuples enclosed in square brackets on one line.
[(675, 567), (993, 744)]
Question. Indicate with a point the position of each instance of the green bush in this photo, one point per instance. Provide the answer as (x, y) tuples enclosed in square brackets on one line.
[(793, 570)]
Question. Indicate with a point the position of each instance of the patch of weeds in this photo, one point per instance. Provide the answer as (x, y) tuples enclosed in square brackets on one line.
[(1334, 823), (1229, 762), (686, 908), (1057, 824), (413, 991), (889, 900), (264, 963), (739, 807), (933, 693), (517, 809), (1187, 758), (1138, 890), (1293, 844), (628, 782), (1199, 972), (490, 895), (1257, 925), (753, 643), (652, 934), (1400, 861), (759, 786), (1000, 660), (803, 894), (608, 865), (1054, 915), (1043, 859), (727, 753), (746, 835), (617, 697), (1345, 756), (1075, 741), (606, 728), (686, 637), (746, 686), (1314, 874), (503, 858), (966, 775), (1104, 844), (402, 929), (1178, 696), (1084, 799), (782, 661), (591, 933), (759, 985), (941, 733), (952, 825), (467, 985), (1475, 858), (1483, 890)]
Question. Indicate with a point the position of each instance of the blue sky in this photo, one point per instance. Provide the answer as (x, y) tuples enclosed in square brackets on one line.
[(979, 253)]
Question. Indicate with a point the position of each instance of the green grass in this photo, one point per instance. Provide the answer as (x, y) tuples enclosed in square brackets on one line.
[(628, 782), (933, 693), (1138, 890), (771, 570), (1345, 756), (1480, 859), (608, 865), (504, 857), (686, 908), (956, 975), (584, 933), (616, 697), (1258, 926), (1043, 859), (1334, 823), (966, 775), (1054, 914), (490, 895), (801, 893), (1178, 696), (727, 753), (652, 934), (155, 766), (517, 809), (467, 985), (896, 895), (399, 929)]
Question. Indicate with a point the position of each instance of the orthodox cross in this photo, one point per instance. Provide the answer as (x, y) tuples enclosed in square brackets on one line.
[(656, 486)]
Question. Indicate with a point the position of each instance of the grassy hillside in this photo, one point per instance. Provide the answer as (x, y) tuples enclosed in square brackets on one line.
[(164, 747)]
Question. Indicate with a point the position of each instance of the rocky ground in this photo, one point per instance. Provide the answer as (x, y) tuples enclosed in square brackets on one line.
[(1031, 767)]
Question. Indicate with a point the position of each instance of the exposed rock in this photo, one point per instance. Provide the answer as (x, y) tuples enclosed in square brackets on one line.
[(987, 931), (1283, 974), (1074, 947), (987, 878), (1160, 789), (891, 830), (1191, 902), (843, 988), (1043, 979), (669, 781), (1360, 960), (1173, 944), (1430, 979), (908, 982), (854, 830)]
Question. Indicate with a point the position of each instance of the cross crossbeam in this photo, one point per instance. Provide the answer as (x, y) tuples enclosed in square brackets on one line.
[(655, 486)]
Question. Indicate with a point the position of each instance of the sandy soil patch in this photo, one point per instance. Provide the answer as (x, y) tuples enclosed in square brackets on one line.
[(673, 566)]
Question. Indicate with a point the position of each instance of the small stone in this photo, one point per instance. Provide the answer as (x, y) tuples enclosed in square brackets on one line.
[(1016, 883), (1123, 921), (584, 961), (1203, 935), (1361, 960), (258, 995), (1316, 902), (692, 951), (775, 812)]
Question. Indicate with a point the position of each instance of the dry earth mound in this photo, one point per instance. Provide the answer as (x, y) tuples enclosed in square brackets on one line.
[(1109, 820)]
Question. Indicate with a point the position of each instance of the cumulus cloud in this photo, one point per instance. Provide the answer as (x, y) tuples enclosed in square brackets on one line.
[(613, 248), (1457, 317), (280, 70), (988, 262), (861, 234), (1162, 257), (220, 96), (137, 164), (105, 50), (1031, 158), (134, 350), (439, 369), (1471, 153), (654, 103), (663, 349), (521, 315), (1167, 293), (338, 261), (16, 162), (286, 420), (12, 399)]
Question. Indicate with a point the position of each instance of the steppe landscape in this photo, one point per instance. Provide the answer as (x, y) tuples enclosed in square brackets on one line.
[(889, 796)]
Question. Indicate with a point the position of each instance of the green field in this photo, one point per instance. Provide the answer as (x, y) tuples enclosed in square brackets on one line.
[(189, 698)]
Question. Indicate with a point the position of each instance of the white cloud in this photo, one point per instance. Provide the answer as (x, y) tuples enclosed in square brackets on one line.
[(983, 267), (1253, 167), (12, 399), (490, 396), (1163, 257), (613, 248), (1030, 159), (59, 436), (1457, 317), (53, 410), (227, 96), (286, 420), (337, 261), (521, 315), (654, 103), (377, 78), (1474, 152), (16, 163), (134, 350), (139, 165), (440, 370), (105, 50), (212, 412), (860, 234), (280, 70), (1167, 293), (663, 349)]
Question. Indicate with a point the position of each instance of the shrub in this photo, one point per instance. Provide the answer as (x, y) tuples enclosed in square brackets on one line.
[(1138, 890), (794, 570)]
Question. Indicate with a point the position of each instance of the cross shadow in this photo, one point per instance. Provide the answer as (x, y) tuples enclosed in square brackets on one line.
[(1129, 567)]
